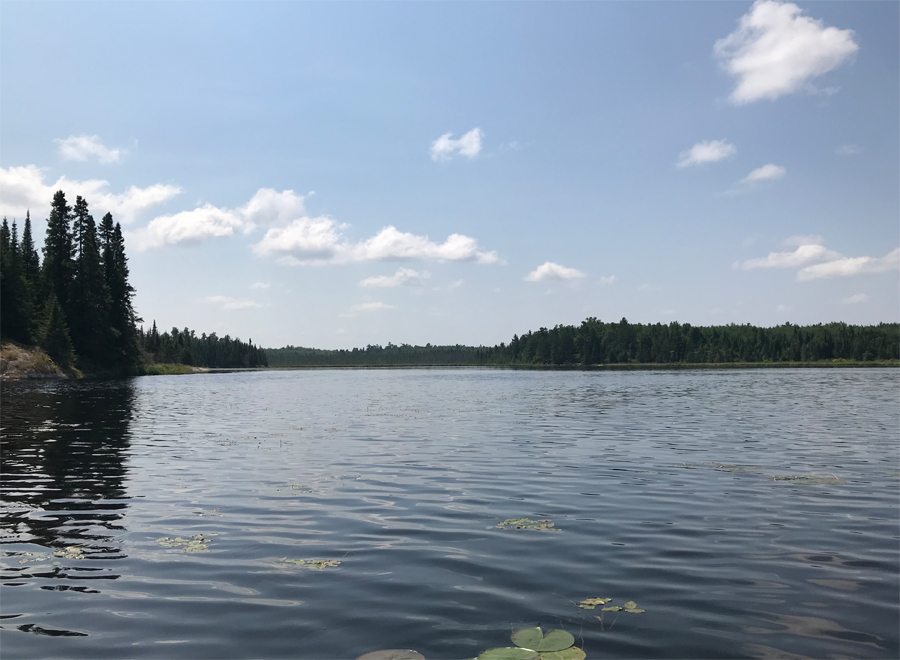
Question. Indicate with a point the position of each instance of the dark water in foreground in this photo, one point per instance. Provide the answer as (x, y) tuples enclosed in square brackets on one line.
[(661, 482)]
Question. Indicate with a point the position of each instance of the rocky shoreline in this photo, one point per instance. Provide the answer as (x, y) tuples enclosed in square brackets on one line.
[(19, 363)]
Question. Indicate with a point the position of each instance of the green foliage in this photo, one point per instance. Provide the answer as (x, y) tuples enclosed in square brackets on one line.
[(533, 644), (312, 564), (184, 346), (544, 524), (53, 335), (165, 370)]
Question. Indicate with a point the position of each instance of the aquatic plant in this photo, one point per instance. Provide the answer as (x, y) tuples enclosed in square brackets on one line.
[(197, 543), (544, 524), (312, 564), (807, 479), (392, 654), (591, 603), (533, 644), (71, 552)]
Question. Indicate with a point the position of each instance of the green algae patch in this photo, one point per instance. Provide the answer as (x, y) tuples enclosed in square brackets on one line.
[(312, 564), (544, 524)]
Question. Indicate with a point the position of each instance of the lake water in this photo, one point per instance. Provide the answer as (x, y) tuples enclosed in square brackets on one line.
[(663, 486)]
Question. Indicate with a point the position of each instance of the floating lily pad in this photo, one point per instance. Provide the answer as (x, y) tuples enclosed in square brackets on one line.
[(590, 602), (533, 638), (634, 610), (630, 604), (612, 608), (392, 654), (509, 653), (807, 479), (313, 564), (527, 523), (571, 653)]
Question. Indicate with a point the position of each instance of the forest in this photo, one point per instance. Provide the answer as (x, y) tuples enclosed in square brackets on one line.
[(77, 303), (597, 343)]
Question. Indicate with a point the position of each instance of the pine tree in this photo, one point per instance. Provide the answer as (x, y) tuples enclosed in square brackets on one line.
[(15, 301), (58, 251), (54, 335)]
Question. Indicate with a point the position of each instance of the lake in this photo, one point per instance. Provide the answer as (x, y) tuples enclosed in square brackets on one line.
[(750, 513)]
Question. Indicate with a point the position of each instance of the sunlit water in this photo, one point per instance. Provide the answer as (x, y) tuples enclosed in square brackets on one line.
[(661, 484)]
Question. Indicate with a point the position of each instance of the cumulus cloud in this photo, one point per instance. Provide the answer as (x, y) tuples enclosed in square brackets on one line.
[(768, 172), (320, 241), (403, 276), (23, 188), (187, 227), (847, 266), (468, 145), (803, 255), (269, 207), (709, 151), (552, 271), (231, 303), (856, 299), (777, 50), (82, 147), (815, 261)]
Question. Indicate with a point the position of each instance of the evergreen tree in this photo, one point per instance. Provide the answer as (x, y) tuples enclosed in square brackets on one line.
[(31, 265), (122, 319), (54, 335), (15, 304), (90, 300), (58, 251)]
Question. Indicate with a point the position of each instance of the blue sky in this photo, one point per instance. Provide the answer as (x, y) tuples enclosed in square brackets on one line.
[(341, 174)]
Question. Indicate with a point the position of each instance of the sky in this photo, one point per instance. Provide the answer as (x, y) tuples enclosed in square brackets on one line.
[(343, 174)]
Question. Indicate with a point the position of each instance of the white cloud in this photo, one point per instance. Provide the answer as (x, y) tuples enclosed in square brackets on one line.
[(365, 308), (847, 150), (23, 188), (804, 254), (231, 303), (260, 285), (808, 239), (269, 207), (768, 172), (403, 276), (612, 279), (856, 299), (551, 271), (81, 147), (846, 266), (709, 151), (468, 145), (187, 227), (319, 241), (777, 50)]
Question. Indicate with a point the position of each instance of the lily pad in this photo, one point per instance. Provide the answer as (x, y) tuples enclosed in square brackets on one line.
[(612, 608), (392, 654), (571, 653), (527, 523), (634, 610), (71, 552), (630, 605), (314, 564), (532, 638), (509, 653), (197, 543), (594, 601)]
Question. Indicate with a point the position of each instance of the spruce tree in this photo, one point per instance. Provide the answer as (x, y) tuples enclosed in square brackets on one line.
[(122, 319), (15, 307), (58, 251), (31, 265), (54, 335), (89, 295)]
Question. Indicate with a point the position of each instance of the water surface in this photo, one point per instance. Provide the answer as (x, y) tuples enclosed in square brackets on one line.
[(664, 485)]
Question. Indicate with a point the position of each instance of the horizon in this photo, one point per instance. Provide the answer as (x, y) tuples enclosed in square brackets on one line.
[(334, 176)]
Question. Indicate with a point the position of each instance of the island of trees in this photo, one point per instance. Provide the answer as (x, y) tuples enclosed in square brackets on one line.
[(595, 343), (76, 302)]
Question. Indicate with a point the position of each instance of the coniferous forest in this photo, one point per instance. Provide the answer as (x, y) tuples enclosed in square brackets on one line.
[(76, 302), (597, 343)]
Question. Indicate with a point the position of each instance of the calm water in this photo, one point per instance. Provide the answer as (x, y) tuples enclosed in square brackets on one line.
[(660, 482)]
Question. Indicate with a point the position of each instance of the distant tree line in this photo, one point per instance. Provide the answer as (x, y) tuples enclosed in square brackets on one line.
[(185, 347), (76, 303), (596, 343)]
